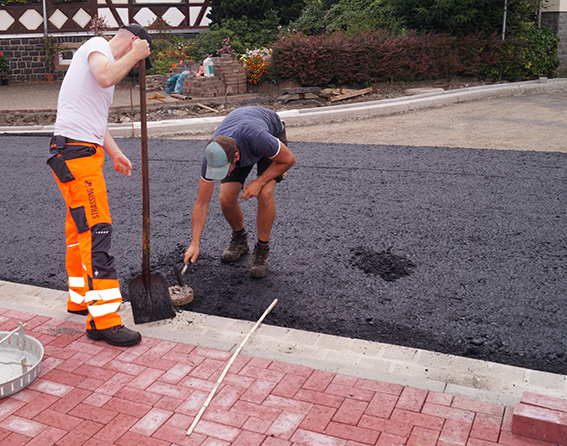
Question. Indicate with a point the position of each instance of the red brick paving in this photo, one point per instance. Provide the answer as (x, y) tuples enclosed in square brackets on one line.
[(93, 394)]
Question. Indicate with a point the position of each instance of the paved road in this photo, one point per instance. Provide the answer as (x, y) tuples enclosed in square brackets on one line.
[(455, 250), (478, 224)]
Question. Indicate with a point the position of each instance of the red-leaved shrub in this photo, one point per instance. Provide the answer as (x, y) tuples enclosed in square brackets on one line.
[(379, 56)]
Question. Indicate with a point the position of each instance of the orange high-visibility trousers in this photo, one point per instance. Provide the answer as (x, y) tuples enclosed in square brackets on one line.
[(93, 282)]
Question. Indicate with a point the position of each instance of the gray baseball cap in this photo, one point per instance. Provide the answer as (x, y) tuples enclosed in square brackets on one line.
[(217, 161)]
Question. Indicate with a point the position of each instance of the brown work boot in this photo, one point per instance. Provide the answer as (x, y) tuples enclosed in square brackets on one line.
[(238, 246), (259, 266), (119, 335)]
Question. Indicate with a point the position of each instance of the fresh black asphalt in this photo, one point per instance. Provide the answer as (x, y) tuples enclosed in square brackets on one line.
[(456, 250)]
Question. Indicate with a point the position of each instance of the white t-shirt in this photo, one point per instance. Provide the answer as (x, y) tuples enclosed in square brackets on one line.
[(82, 108)]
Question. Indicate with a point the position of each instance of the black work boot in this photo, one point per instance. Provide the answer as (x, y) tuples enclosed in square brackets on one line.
[(238, 246), (259, 266), (118, 335)]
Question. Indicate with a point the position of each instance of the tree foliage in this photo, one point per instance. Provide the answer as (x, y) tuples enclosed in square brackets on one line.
[(253, 33), (242, 32), (350, 16), (313, 19), (252, 23), (354, 16), (222, 10), (462, 17)]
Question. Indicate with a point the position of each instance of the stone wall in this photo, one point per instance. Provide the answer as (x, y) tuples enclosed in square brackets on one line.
[(27, 59), (557, 22)]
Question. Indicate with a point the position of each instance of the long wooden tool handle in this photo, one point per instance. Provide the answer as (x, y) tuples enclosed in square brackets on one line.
[(145, 177), (225, 371)]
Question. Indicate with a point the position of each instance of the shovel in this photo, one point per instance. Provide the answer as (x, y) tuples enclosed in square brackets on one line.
[(149, 294)]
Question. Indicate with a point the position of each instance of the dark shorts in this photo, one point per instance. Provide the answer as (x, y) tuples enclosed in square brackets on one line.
[(239, 174)]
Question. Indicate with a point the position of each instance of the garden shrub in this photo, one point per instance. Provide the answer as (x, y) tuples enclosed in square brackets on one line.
[(209, 42), (316, 60), (379, 56), (510, 61), (540, 55), (168, 52), (527, 53), (477, 52)]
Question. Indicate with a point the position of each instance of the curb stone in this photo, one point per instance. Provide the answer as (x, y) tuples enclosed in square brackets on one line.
[(327, 114)]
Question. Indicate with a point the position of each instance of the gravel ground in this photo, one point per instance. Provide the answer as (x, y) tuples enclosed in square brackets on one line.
[(451, 249)]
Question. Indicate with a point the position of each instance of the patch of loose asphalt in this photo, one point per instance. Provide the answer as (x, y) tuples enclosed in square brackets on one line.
[(461, 251)]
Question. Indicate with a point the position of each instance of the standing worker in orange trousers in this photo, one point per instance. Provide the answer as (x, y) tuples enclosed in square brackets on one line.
[(76, 157)]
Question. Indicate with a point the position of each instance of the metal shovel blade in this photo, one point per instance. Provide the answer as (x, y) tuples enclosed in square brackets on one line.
[(153, 303)]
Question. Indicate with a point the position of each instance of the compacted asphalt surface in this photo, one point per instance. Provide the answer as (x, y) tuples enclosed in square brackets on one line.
[(456, 250)]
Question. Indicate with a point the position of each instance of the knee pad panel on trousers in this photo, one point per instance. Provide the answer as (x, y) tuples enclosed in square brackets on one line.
[(102, 262), (80, 219), (60, 169)]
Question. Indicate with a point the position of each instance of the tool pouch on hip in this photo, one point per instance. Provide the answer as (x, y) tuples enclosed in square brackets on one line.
[(56, 161)]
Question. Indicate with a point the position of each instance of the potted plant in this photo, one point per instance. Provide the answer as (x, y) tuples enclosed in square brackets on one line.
[(52, 48), (3, 70)]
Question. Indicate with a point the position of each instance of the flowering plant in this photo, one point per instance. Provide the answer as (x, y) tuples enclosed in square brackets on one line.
[(255, 63), (52, 48), (226, 48), (3, 63), (98, 26)]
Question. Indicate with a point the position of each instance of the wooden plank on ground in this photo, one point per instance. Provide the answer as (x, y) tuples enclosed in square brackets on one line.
[(207, 108), (351, 94)]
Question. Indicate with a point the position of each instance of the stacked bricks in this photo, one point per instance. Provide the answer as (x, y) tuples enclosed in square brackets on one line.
[(155, 82), (232, 72), (186, 65), (541, 417), (228, 73)]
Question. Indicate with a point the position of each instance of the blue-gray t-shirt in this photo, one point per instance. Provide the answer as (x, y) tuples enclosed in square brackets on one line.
[(254, 129)]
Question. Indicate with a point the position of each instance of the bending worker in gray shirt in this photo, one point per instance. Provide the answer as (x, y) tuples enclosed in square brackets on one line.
[(246, 137)]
